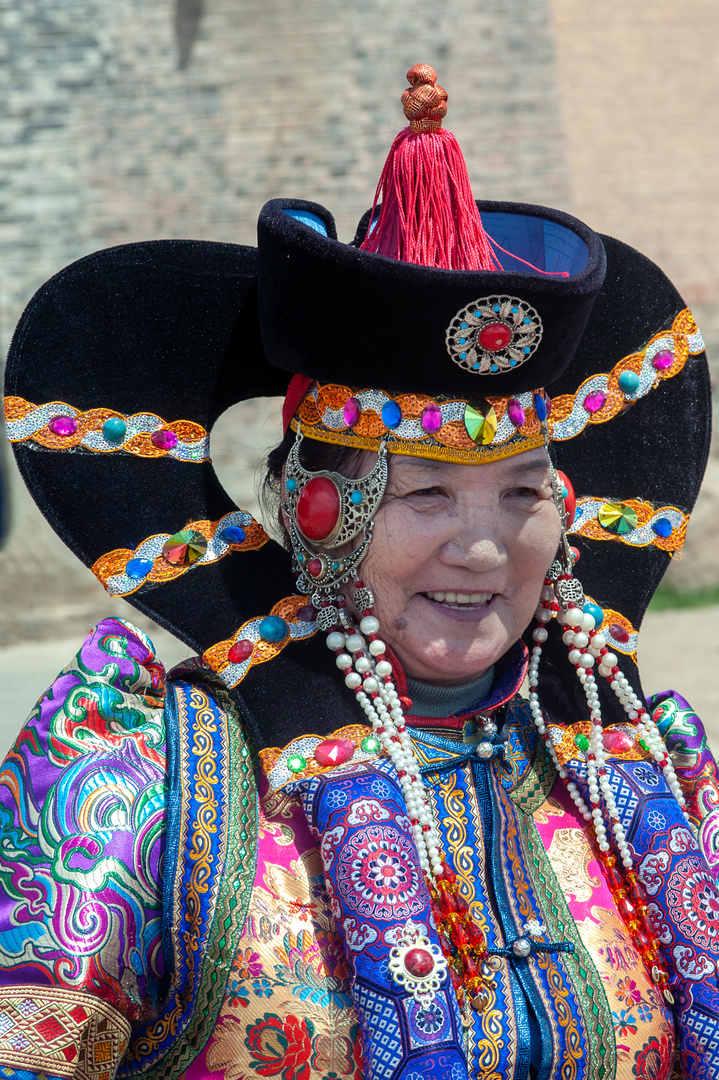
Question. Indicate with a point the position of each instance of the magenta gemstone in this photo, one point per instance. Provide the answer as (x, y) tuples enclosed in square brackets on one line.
[(617, 742), (663, 360), (240, 651), (318, 508), (431, 418), (164, 439), (515, 412), (593, 402), (63, 425), (315, 567), (351, 411), (307, 613), (494, 337), (419, 962), (334, 751), (618, 632)]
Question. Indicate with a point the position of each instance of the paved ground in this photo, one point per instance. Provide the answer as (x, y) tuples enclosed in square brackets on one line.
[(678, 650)]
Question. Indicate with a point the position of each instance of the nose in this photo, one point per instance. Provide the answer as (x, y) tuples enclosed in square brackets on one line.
[(475, 543)]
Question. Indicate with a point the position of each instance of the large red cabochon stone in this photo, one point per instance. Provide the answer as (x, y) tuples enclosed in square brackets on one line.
[(318, 508), (495, 336)]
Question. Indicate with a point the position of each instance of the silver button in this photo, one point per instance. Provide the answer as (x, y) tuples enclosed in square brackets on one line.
[(485, 750), (522, 947)]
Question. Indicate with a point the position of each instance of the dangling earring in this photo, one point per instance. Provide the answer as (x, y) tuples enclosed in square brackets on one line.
[(326, 511)]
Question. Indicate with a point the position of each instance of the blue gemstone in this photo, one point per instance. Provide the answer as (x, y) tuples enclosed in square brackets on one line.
[(512, 363), (300, 557), (494, 368), (496, 307), (232, 534), (463, 341), (114, 429), (540, 407), (578, 513), (478, 314), (596, 611), (138, 568), (565, 493), (391, 414), (356, 497), (335, 566), (291, 484), (463, 326), (475, 367), (463, 356), (628, 382), (273, 628), (662, 527), (515, 310), (527, 322), (526, 350)]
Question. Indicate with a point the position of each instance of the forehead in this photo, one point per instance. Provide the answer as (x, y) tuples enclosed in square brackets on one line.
[(532, 464)]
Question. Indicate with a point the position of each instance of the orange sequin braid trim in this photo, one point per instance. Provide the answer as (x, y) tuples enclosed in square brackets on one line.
[(633, 522), (261, 639)]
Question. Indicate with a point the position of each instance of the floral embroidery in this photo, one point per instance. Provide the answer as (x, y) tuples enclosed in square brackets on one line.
[(624, 1023), (654, 1061), (281, 1047), (629, 992)]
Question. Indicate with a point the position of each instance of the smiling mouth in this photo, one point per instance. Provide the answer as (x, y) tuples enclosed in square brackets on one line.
[(460, 601)]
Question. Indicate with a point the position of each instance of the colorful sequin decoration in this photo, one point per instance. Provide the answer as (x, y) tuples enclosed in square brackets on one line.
[(164, 557), (59, 426)]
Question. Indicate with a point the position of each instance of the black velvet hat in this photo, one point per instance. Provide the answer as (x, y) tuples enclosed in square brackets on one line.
[(122, 362)]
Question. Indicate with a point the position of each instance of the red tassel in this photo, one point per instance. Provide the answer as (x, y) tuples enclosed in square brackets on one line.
[(428, 214)]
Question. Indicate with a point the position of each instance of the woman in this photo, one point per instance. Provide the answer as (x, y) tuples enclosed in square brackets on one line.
[(440, 877)]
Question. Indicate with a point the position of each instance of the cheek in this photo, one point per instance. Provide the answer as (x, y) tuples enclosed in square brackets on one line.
[(535, 548)]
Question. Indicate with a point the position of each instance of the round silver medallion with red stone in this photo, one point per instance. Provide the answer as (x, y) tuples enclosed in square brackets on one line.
[(416, 964), (494, 334)]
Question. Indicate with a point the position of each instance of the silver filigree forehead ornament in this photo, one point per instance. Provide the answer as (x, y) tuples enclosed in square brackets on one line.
[(494, 334)]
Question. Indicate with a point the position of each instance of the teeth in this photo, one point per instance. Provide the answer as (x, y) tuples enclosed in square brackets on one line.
[(460, 598)]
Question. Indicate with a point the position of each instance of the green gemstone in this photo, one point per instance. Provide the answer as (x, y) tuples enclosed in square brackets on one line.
[(480, 420), (185, 547), (296, 763), (581, 742), (371, 744), (618, 518)]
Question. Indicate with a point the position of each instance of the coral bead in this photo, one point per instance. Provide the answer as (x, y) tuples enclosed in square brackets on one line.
[(318, 509)]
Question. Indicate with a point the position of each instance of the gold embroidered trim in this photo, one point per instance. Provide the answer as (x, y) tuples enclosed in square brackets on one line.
[(614, 618), (232, 673), (563, 739), (62, 1032), (26, 422), (274, 760), (110, 569), (589, 525)]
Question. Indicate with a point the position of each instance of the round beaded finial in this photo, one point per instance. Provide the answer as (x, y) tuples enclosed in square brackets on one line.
[(425, 104)]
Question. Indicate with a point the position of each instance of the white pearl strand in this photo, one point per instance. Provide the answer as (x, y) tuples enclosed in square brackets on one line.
[(586, 645), (372, 675)]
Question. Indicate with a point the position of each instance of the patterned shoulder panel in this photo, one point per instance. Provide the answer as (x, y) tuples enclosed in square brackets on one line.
[(695, 767), (82, 808)]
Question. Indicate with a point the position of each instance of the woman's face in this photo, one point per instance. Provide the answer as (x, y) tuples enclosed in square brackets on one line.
[(458, 559)]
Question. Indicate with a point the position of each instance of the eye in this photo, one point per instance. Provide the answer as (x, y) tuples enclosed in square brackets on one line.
[(426, 492)]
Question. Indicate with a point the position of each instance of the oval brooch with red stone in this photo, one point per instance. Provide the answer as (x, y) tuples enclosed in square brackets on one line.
[(494, 335), (416, 964)]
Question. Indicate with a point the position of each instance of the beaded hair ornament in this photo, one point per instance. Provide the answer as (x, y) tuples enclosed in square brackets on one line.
[(330, 523)]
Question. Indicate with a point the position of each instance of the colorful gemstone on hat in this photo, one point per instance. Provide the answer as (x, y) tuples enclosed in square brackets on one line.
[(662, 527), (480, 420), (619, 632), (494, 336), (63, 425), (240, 651), (616, 741), (628, 382), (431, 418), (296, 763), (352, 411), (164, 439), (663, 359), (594, 402), (595, 611), (307, 613), (419, 962), (138, 568), (185, 547), (232, 534), (273, 629), (114, 429), (515, 412), (581, 742), (318, 508), (618, 518), (540, 406), (371, 744), (391, 414), (334, 751)]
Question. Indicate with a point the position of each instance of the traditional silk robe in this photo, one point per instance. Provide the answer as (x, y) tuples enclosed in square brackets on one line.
[(171, 906)]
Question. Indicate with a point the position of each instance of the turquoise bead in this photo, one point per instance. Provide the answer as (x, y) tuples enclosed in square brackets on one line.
[(628, 382), (291, 484), (114, 429), (595, 611), (356, 497), (273, 628)]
